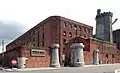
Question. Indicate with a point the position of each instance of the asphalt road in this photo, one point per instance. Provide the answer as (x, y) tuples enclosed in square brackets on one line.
[(90, 69)]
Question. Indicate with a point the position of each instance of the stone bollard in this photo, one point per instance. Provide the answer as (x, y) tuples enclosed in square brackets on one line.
[(72, 57), (96, 57), (78, 54), (55, 55), (21, 62)]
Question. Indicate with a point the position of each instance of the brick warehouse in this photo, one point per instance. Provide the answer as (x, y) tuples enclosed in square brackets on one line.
[(34, 44), (108, 52), (116, 37), (54, 29)]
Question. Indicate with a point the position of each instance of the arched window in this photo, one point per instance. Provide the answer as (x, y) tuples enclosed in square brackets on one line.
[(64, 41), (70, 34), (64, 24), (75, 30), (80, 29), (113, 56), (64, 33), (75, 27), (70, 25), (106, 55)]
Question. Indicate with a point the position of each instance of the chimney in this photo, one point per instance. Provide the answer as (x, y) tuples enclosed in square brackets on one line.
[(98, 11)]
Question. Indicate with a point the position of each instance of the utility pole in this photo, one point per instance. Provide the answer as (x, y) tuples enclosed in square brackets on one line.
[(2, 53), (111, 31)]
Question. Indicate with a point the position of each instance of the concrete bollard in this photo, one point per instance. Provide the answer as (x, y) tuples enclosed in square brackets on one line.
[(21, 62), (55, 55), (96, 57), (78, 55)]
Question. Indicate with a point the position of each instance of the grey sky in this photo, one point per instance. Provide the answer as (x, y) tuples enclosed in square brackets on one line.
[(10, 31), (27, 13)]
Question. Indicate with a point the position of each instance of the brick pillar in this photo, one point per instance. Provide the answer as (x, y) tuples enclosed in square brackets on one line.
[(55, 55)]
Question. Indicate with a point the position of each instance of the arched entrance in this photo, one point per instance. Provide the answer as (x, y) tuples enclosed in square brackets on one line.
[(74, 54)]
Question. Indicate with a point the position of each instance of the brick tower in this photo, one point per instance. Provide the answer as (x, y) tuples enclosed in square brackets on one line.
[(104, 26)]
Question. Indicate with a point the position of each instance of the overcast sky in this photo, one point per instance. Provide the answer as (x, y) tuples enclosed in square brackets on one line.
[(17, 16)]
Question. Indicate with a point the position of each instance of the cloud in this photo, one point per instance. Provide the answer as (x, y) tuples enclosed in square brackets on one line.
[(10, 30)]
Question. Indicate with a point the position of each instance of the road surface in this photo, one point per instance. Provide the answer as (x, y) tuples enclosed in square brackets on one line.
[(88, 69)]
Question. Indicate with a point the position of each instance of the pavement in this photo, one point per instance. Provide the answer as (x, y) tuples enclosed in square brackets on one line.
[(27, 69), (102, 68)]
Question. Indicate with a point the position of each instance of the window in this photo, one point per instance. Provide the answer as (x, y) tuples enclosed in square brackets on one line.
[(64, 24), (75, 27), (64, 33), (80, 34), (33, 39), (43, 43), (106, 55), (84, 29), (113, 56), (89, 31), (75, 33), (84, 36), (43, 36), (33, 43), (80, 29), (70, 25), (33, 32), (38, 40), (77, 60), (64, 41), (43, 39), (63, 50), (70, 34), (35, 52), (75, 30)]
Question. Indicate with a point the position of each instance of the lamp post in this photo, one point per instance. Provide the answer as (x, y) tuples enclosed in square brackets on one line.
[(2, 53), (111, 32)]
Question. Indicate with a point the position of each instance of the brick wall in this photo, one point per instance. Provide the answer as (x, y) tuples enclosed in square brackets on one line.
[(9, 56), (69, 26), (36, 61), (87, 53), (108, 52), (31, 62)]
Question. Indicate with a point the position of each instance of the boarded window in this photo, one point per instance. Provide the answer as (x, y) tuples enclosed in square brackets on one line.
[(35, 52)]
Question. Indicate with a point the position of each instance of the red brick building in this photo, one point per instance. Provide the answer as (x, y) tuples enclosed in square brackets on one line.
[(108, 52), (116, 37), (54, 29), (34, 44)]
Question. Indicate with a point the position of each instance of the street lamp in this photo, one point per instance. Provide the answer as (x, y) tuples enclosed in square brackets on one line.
[(115, 21), (2, 53)]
